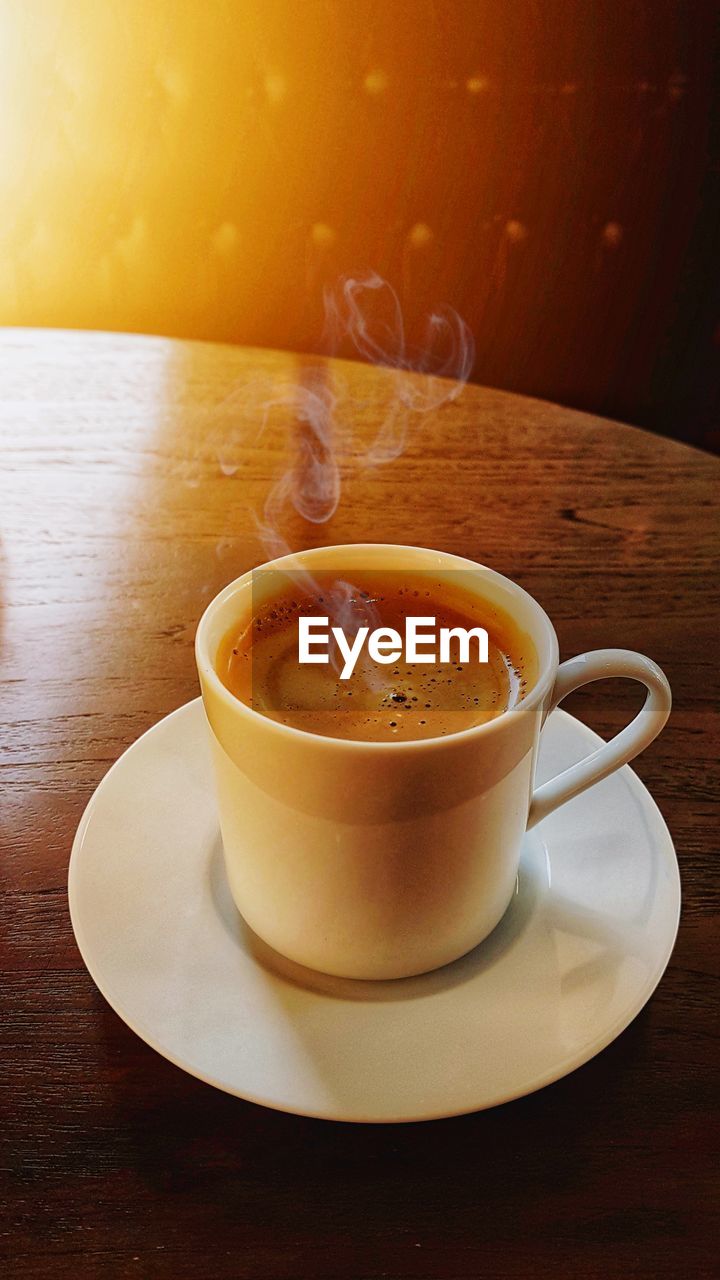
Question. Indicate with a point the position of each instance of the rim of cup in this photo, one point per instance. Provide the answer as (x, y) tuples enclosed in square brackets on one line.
[(547, 664)]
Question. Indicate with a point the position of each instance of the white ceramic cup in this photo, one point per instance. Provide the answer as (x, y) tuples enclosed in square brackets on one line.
[(386, 859)]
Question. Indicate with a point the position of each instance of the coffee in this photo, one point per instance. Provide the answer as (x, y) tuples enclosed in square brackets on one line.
[(259, 663)]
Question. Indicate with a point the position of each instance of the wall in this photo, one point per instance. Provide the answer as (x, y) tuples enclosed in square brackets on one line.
[(203, 168)]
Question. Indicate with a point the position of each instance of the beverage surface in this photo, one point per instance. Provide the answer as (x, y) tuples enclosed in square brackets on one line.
[(403, 700)]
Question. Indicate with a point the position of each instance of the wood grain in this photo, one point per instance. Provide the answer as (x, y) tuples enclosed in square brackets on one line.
[(133, 472)]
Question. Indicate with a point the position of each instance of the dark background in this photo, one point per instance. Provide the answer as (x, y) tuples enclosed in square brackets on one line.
[(547, 167)]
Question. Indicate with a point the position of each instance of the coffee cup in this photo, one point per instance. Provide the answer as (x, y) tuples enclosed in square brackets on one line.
[(384, 859)]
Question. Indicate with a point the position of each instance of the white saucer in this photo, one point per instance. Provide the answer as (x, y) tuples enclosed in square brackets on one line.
[(576, 957)]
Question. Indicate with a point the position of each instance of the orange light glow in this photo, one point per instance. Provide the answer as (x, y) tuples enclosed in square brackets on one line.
[(204, 168)]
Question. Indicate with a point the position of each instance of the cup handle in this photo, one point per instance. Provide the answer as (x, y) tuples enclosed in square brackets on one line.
[(601, 665)]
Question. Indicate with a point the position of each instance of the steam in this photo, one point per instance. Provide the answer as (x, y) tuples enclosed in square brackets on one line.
[(312, 482), (368, 313), (364, 315)]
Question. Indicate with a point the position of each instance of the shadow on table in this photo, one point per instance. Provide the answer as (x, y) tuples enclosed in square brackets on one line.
[(191, 1145)]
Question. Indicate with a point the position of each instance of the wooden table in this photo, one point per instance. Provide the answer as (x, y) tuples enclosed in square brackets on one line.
[(131, 471)]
